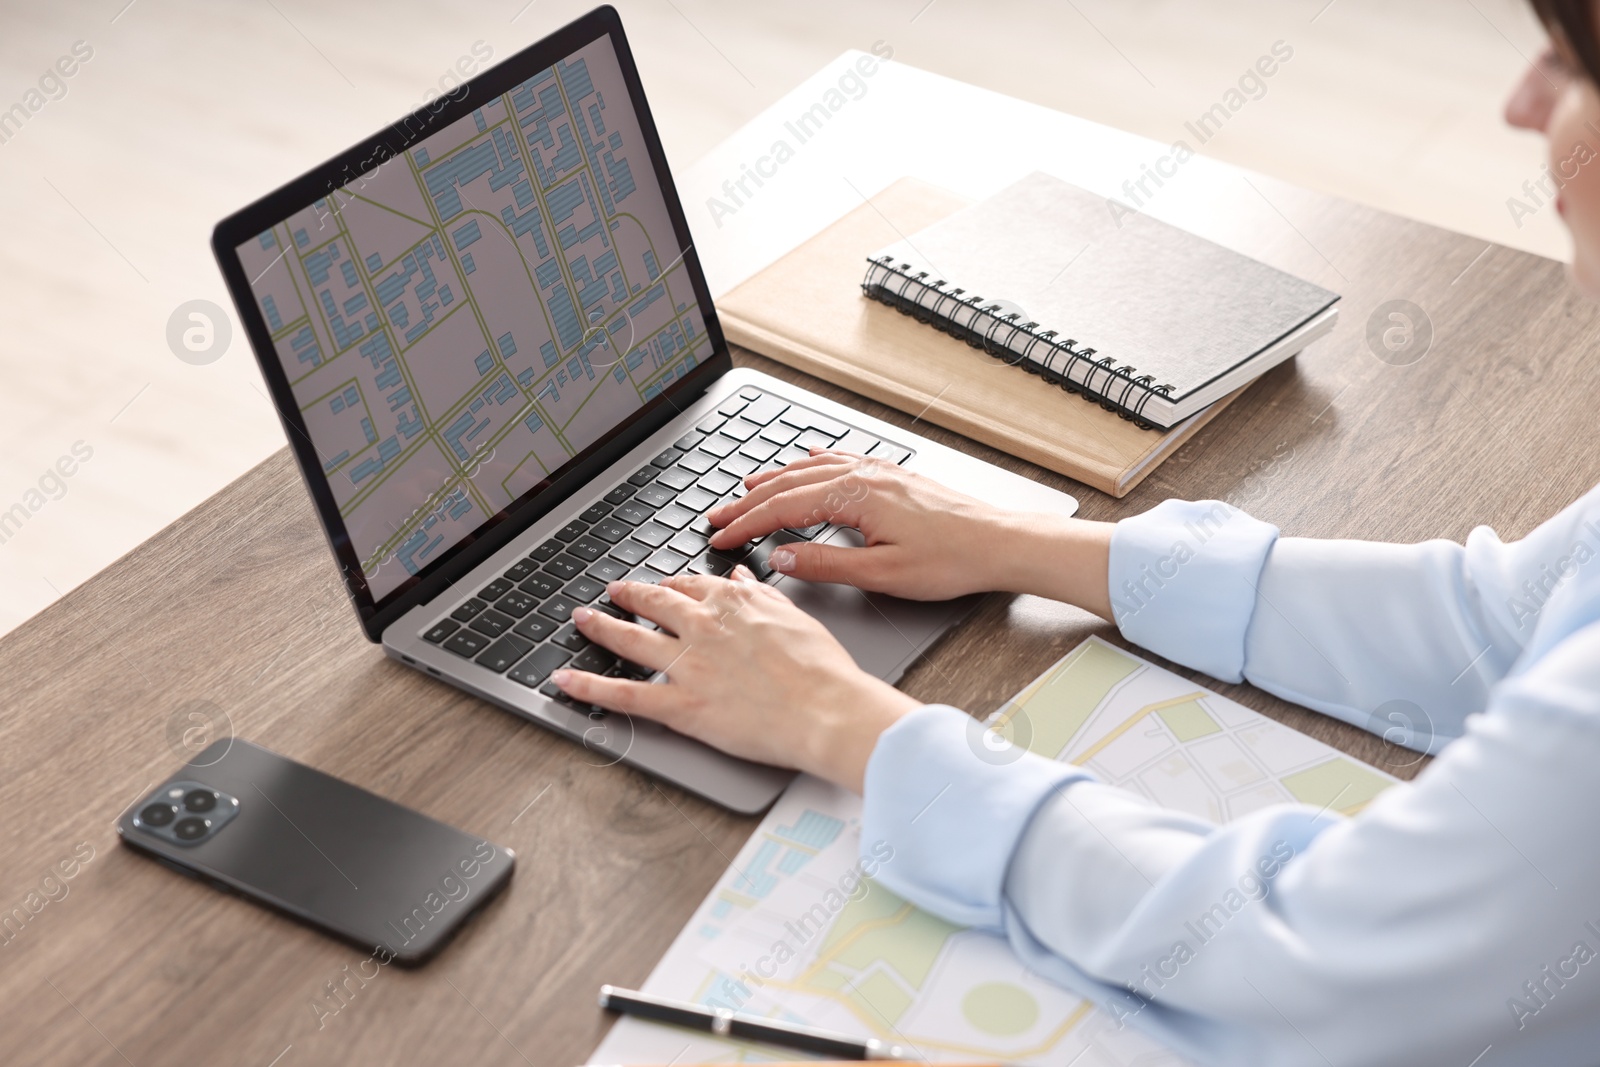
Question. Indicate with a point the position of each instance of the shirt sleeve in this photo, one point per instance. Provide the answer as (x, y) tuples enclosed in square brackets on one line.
[(1451, 914), (1405, 640)]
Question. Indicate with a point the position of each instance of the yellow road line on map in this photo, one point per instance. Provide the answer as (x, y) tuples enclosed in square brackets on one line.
[(1096, 748), (786, 843), (738, 899), (849, 939)]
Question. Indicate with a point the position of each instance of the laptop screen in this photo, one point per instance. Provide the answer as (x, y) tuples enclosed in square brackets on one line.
[(460, 323)]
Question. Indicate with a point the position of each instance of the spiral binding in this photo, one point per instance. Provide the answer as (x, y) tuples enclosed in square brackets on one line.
[(878, 284)]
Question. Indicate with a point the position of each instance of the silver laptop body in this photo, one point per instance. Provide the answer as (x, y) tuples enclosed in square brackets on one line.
[(884, 634), (489, 339)]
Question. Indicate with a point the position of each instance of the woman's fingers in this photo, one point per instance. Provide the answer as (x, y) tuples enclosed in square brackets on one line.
[(722, 598), (818, 458), (695, 586), (705, 586), (714, 599), (781, 481), (665, 607), (744, 574), (835, 500), (649, 648), (865, 568), (645, 699)]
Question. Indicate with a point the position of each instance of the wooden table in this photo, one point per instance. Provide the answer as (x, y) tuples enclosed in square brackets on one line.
[(233, 612)]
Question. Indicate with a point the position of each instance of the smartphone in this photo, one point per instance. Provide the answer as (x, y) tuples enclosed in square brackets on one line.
[(334, 856)]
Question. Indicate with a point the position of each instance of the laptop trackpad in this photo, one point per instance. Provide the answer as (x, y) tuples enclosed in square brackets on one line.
[(885, 634)]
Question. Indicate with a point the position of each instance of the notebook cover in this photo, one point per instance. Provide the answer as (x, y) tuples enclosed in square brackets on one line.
[(1160, 299), (807, 311)]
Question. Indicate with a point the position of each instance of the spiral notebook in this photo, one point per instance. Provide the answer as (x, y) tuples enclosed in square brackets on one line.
[(806, 311), (1153, 322)]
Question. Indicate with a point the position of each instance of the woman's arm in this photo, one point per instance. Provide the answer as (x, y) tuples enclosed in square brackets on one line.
[(1400, 934), (924, 541), (1404, 640), (1453, 913)]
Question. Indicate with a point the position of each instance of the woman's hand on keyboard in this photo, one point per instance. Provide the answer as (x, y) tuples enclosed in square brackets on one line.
[(924, 541), (747, 672)]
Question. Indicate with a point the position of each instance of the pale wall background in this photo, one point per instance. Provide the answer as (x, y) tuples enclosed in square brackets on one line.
[(190, 108)]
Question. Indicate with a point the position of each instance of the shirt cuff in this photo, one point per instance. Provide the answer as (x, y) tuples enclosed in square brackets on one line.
[(946, 802), (1183, 582)]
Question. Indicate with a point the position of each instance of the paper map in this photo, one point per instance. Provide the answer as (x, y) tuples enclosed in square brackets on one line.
[(791, 932)]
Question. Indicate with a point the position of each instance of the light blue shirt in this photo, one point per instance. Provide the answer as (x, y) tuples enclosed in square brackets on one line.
[(1454, 914)]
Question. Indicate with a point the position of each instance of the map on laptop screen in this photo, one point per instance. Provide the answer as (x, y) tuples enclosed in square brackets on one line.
[(462, 321)]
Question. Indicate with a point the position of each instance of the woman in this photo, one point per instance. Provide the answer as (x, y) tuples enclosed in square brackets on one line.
[(1455, 920)]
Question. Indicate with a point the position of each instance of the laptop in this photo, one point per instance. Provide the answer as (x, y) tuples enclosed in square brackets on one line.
[(488, 336)]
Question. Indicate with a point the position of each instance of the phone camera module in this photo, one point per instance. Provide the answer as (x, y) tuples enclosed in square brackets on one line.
[(158, 814), (190, 828), (186, 812)]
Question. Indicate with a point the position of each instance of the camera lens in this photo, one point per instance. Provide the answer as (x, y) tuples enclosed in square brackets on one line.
[(190, 829), (157, 814), (199, 800)]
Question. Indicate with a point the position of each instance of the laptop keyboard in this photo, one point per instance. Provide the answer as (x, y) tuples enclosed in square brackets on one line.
[(646, 528)]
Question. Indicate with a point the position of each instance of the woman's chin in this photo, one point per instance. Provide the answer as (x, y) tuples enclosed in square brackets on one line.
[(1584, 273)]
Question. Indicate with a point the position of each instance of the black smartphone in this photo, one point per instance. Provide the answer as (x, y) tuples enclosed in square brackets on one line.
[(320, 850)]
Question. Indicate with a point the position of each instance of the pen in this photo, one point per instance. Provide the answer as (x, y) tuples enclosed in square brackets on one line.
[(724, 1023)]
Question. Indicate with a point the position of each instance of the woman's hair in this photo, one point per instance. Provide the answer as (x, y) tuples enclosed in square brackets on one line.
[(1574, 22)]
